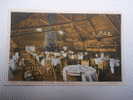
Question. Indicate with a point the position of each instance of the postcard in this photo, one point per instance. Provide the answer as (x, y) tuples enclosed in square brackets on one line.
[(65, 47)]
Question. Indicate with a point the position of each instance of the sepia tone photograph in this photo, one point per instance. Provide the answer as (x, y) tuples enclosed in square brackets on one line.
[(65, 47)]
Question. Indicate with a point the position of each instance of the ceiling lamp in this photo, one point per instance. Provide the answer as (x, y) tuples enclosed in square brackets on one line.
[(105, 33), (101, 34), (109, 34), (60, 32), (39, 29)]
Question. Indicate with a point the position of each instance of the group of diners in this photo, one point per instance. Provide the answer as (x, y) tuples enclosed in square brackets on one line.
[(59, 59), (15, 63)]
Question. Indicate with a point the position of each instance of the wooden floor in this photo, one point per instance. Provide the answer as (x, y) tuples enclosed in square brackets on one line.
[(19, 76)]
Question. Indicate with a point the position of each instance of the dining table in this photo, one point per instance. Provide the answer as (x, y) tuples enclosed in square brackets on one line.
[(87, 73)]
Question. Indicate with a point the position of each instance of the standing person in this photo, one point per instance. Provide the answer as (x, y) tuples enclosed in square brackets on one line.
[(17, 56), (64, 58), (112, 64), (99, 68), (12, 68), (80, 57), (56, 62), (117, 64), (13, 63), (72, 59), (21, 62), (96, 62)]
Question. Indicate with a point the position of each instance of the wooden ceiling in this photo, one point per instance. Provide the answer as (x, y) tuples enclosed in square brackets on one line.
[(79, 30)]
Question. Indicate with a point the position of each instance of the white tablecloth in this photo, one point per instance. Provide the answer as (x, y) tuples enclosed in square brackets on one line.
[(87, 73)]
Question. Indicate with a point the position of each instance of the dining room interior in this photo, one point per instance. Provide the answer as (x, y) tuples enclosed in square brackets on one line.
[(65, 47)]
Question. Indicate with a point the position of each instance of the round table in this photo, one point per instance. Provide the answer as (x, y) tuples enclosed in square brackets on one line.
[(87, 73)]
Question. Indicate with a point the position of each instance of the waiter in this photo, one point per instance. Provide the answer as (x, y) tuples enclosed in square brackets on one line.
[(56, 64)]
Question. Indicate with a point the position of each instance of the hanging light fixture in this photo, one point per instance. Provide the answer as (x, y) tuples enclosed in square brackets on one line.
[(60, 32), (109, 34), (39, 29)]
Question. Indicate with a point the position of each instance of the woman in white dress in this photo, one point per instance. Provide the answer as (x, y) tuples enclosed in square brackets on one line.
[(112, 65)]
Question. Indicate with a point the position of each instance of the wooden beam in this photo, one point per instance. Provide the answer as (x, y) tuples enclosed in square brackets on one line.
[(45, 22), (41, 26), (66, 19), (110, 21)]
